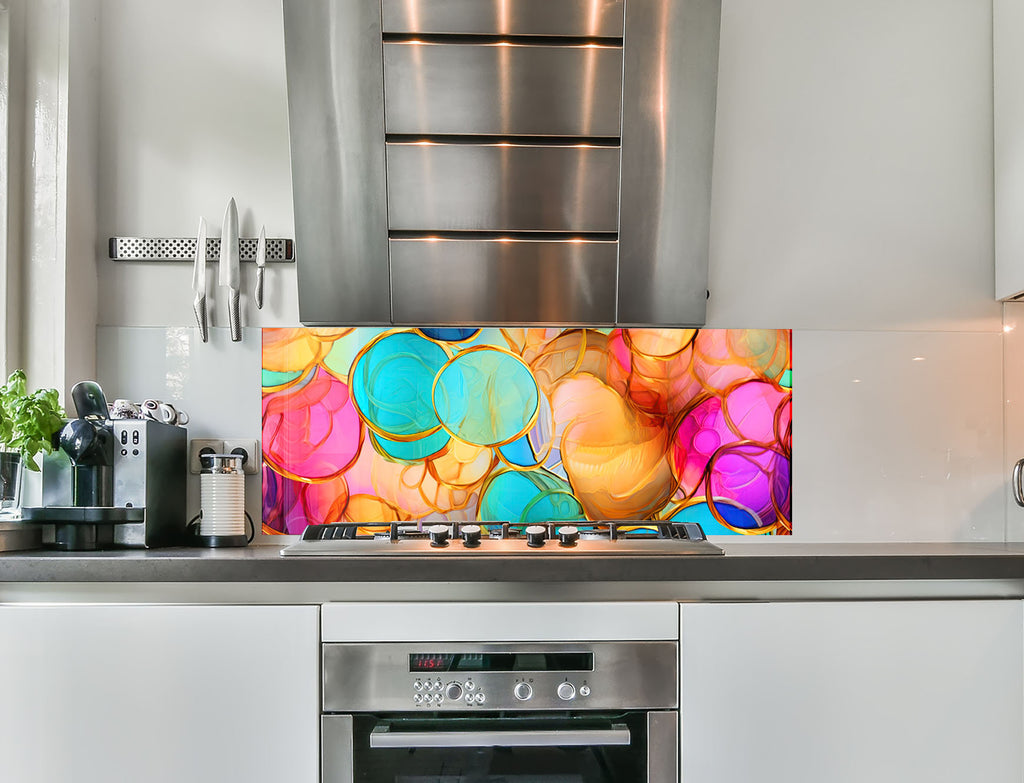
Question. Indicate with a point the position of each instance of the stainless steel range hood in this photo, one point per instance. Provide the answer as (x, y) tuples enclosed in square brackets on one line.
[(502, 161)]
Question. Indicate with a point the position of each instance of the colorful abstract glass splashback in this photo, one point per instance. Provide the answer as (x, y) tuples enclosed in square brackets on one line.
[(373, 425)]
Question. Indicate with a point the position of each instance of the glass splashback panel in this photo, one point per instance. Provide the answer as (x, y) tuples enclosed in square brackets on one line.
[(372, 425)]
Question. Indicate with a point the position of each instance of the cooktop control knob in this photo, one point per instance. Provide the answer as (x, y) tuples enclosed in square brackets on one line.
[(438, 535), (522, 691), (453, 691), (535, 535), (568, 535), (470, 535), (566, 691)]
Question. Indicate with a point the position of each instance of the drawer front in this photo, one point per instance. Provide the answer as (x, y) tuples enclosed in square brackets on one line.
[(596, 18), (502, 89), (502, 187), (495, 281)]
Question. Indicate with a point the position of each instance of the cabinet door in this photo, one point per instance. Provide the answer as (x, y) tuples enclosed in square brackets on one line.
[(161, 694), (1008, 151), (858, 692)]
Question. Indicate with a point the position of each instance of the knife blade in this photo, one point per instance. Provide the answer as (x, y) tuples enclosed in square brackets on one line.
[(261, 262), (229, 275), (199, 282)]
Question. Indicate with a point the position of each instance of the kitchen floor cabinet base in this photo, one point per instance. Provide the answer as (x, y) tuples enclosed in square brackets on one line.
[(160, 694), (851, 692)]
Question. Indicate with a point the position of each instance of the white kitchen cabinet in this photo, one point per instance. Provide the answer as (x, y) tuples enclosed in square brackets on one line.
[(1008, 135), (852, 692), (159, 694)]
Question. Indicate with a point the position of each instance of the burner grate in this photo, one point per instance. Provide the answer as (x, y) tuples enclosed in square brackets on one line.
[(612, 531)]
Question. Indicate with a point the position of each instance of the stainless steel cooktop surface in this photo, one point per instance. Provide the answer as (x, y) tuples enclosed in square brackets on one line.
[(548, 539)]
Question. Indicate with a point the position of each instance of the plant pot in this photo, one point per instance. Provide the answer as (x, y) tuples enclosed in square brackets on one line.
[(11, 469)]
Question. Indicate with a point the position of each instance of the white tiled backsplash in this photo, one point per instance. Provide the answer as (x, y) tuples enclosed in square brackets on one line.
[(897, 436), (216, 383), (1013, 407)]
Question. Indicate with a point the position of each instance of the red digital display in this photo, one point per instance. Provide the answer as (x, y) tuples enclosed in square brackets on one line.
[(430, 662)]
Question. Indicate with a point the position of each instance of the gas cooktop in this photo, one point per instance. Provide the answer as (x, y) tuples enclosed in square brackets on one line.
[(457, 539)]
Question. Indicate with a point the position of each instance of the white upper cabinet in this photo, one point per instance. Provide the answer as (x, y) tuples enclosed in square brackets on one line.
[(1008, 116)]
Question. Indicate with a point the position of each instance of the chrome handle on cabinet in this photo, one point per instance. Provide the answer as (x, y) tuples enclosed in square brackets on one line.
[(383, 737), (1016, 483)]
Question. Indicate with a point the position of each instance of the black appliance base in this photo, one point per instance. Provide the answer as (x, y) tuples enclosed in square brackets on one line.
[(82, 528)]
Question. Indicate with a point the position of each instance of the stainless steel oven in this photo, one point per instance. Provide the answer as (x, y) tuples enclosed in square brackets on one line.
[(518, 712)]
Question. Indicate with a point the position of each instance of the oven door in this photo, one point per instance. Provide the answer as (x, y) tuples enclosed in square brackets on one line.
[(630, 747)]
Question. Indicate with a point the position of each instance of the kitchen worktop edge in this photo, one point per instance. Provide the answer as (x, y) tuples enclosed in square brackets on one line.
[(742, 562)]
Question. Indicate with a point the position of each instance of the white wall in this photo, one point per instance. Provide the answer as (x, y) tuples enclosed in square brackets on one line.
[(852, 202), (194, 112)]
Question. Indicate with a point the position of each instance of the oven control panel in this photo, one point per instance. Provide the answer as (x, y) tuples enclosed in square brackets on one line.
[(479, 677), (441, 692), (528, 692)]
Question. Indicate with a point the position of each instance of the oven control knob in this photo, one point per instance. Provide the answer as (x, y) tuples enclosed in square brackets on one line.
[(566, 691), (438, 535), (453, 691), (470, 535), (584, 690), (522, 691), (535, 535), (568, 535)]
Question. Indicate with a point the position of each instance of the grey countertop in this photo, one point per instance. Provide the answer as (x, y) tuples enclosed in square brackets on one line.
[(992, 568)]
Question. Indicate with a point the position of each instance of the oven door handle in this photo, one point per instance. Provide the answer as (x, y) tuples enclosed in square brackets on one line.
[(382, 737)]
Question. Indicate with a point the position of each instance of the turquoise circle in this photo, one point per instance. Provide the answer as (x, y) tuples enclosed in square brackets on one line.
[(391, 385), (521, 497), (412, 450), (486, 397), (519, 452), (552, 505), (737, 516), (272, 378), (449, 334)]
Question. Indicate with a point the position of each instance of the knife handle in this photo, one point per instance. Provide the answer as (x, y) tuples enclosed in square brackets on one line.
[(199, 306), (234, 317), (258, 293)]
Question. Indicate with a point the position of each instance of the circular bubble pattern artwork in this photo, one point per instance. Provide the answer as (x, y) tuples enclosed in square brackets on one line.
[(370, 426)]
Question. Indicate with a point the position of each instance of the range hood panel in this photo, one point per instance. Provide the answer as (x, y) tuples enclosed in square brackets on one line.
[(594, 18), (502, 188), (336, 122), (456, 282), (438, 88), (576, 130)]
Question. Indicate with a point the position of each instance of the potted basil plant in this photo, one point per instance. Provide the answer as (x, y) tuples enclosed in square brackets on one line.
[(28, 423)]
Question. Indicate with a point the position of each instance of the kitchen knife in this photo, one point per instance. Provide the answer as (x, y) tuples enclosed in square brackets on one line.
[(229, 275), (261, 262), (199, 281)]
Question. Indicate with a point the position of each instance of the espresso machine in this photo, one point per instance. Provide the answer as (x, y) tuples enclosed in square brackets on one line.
[(112, 483)]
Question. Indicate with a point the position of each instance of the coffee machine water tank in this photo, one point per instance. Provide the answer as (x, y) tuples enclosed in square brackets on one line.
[(150, 471)]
